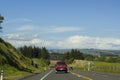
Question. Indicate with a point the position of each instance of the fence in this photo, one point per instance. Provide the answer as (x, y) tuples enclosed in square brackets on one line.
[(112, 68), (97, 66)]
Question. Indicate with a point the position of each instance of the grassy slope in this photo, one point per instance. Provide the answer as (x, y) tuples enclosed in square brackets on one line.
[(9, 55), (14, 63)]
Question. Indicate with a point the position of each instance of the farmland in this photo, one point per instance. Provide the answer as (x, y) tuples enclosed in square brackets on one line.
[(97, 66)]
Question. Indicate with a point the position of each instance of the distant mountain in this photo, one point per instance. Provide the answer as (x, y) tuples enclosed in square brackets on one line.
[(90, 51), (101, 52)]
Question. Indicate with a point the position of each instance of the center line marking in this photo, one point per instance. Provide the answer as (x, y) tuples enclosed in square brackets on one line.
[(78, 75), (46, 75)]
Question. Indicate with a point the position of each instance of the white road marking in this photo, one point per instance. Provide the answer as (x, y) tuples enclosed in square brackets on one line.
[(46, 75)]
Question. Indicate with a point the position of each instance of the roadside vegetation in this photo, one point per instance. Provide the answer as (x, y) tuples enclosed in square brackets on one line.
[(31, 59), (104, 63), (18, 62), (96, 66), (106, 67)]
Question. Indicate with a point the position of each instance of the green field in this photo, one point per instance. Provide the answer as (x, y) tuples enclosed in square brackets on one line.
[(106, 67), (97, 66)]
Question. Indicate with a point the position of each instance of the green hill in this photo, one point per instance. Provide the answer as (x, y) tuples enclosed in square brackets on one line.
[(13, 62)]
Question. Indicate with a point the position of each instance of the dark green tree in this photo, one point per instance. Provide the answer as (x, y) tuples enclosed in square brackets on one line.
[(76, 54), (45, 53), (73, 54), (110, 59), (90, 58), (118, 59), (67, 55), (1, 20), (101, 58)]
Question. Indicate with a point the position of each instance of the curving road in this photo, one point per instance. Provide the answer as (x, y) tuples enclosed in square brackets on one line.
[(74, 75)]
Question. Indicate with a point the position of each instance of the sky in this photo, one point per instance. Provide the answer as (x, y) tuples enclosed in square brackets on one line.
[(62, 24)]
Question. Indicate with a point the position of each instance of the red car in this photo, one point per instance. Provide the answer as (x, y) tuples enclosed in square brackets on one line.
[(61, 66)]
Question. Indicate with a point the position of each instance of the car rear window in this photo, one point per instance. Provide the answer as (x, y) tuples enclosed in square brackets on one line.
[(61, 63)]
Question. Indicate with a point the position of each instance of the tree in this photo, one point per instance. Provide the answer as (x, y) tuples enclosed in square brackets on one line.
[(1, 20), (102, 58), (73, 54), (66, 55), (31, 52), (45, 53), (118, 59), (110, 59), (89, 57), (76, 54)]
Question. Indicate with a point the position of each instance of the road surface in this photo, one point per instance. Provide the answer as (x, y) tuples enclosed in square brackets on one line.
[(73, 75)]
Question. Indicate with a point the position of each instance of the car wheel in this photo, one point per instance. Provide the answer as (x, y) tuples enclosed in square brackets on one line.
[(66, 71), (56, 72)]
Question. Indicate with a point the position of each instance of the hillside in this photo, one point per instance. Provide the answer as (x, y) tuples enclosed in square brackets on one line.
[(14, 63)]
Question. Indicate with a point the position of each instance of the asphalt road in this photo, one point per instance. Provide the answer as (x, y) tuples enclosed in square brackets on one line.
[(73, 75)]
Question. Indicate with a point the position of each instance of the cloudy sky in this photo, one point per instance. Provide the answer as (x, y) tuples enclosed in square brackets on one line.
[(62, 24)]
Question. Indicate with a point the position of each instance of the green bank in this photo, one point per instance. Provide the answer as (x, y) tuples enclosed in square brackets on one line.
[(15, 64)]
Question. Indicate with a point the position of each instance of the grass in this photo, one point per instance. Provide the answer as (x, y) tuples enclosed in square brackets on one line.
[(97, 66), (12, 72), (106, 67), (41, 64), (16, 64)]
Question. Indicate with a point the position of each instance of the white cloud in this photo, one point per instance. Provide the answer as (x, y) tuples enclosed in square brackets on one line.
[(35, 35), (33, 42), (19, 20), (60, 29), (20, 36), (70, 42), (48, 29), (26, 20), (25, 28), (90, 42)]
